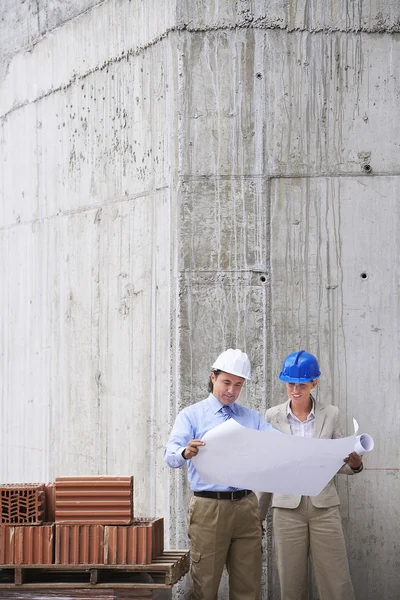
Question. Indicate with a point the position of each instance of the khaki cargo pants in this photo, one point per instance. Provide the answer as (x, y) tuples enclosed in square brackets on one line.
[(225, 532)]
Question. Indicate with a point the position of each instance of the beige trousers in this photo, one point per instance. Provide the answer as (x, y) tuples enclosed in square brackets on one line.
[(305, 529), (225, 532)]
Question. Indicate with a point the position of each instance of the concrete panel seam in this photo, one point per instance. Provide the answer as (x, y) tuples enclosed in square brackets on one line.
[(83, 209), (256, 24), (269, 177), (262, 23), (125, 55)]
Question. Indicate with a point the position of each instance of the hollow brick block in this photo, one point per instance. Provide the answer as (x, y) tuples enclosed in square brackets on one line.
[(91, 500), (50, 502), (138, 543), (22, 504), (27, 545), (79, 544)]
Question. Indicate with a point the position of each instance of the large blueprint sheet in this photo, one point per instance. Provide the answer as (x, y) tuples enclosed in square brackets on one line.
[(268, 462)]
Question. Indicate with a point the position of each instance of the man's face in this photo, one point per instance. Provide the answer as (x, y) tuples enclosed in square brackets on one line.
[(227, 387)]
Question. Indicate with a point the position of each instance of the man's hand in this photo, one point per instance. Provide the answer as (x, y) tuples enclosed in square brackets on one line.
[(353, 460), (192, 449)]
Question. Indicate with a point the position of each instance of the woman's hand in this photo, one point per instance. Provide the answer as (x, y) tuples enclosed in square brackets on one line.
[(353, 460)]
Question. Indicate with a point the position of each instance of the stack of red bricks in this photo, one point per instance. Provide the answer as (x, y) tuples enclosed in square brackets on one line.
[(24, 538), (76, 520)]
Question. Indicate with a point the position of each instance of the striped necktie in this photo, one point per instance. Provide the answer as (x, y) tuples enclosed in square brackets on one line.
[(226, 412)]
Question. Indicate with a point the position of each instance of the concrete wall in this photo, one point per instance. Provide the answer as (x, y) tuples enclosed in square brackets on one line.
[(89, 156), (180, 178)]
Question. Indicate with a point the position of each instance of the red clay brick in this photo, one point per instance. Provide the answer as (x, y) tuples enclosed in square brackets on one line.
[(50, 502), (22, 503), (7, 545), (77, 594), (134, 544), (94, 500), (156, 530), (79, 544), (27, 545), (137, 544)]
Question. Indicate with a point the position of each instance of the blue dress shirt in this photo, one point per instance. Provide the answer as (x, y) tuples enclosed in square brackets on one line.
[(193, 422)]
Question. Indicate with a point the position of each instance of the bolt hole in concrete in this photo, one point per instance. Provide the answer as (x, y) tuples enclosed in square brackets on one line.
[(367, 168), (258, 76), (364, 275), (263, 278)]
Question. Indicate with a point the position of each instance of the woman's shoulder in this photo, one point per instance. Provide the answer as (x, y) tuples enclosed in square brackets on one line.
[(329, 409), (273, 410)]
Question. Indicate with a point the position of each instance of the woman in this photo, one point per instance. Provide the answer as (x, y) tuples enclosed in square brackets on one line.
[(304, 524)]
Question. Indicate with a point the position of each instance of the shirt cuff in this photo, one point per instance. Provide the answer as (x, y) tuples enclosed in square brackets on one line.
[(179, 455), (357, 469)]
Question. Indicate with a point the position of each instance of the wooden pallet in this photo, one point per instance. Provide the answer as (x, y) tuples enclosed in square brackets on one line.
[(163, 572), (18, 593)]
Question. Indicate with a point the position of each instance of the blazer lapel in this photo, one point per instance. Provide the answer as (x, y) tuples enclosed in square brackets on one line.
[(280, 420), (320, 415)]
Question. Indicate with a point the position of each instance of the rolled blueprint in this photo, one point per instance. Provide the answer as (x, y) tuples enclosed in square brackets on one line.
[(284, 464), (364, 443)]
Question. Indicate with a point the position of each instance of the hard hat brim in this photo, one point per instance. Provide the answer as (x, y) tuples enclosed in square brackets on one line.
[(231, 373), (287, 379)]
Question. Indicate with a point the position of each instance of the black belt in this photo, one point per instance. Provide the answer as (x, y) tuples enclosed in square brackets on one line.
[(224, 495)]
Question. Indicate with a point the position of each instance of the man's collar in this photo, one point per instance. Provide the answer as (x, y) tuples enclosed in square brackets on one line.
[(216, 405)]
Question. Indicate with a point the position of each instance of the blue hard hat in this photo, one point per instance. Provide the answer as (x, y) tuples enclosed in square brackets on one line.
[(299, 367)]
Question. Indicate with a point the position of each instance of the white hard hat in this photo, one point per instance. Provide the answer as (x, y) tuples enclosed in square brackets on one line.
[(234, 362)]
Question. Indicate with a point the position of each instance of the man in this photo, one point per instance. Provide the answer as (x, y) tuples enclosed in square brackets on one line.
[(224, 523), (303, 524)]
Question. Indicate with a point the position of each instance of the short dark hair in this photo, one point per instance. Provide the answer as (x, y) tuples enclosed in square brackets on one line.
[(210, 382)]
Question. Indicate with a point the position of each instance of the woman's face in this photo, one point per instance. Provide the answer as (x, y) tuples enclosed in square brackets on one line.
[(300, 392)]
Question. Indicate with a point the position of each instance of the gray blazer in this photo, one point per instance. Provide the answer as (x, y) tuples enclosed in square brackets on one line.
[(326, 426)]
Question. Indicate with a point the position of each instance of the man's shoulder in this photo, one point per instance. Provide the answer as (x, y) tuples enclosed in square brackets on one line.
[(252, 417), (247, 409), (194, 408)]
